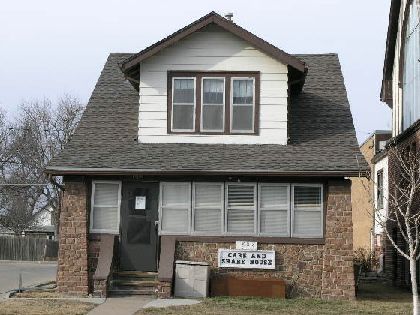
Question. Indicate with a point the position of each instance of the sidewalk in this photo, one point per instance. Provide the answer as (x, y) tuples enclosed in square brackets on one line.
[(121, 305)]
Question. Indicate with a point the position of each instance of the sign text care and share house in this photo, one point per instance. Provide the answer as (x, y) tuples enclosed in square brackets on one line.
[(246, 259)]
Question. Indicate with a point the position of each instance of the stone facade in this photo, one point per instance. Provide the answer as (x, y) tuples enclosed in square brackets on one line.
[(72, 274), (321, 271)]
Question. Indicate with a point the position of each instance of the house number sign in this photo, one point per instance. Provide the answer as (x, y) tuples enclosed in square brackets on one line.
[(246, 259)]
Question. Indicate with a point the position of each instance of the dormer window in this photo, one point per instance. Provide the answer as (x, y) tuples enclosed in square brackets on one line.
[(213, 102)]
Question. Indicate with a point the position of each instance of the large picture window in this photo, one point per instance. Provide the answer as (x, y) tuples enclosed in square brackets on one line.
[(213, 102), (105, 207), (249, 209)]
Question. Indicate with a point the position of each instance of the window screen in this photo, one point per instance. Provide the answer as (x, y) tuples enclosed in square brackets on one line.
[(183, 104), (175, 207), (212, 113), (105, 207), (242, 105), (241, 208), (307, 210), (274, 209), (208, 207)]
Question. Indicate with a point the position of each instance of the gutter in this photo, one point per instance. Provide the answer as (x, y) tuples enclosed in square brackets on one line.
[(129, 171)]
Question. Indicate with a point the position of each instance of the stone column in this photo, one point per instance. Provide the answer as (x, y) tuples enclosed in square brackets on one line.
[(337, 274), (72, 274)]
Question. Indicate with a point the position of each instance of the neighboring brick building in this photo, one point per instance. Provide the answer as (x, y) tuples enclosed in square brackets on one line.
[(366, 234), (181, 152), (401, 91)]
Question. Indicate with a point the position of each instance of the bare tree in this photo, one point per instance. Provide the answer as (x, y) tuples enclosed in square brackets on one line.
[(40, 133), (403, 215)]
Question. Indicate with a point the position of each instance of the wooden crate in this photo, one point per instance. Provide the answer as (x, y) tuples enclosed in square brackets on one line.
[(236, 286)]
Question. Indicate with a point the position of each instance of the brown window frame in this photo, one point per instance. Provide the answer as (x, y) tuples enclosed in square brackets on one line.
[(227, 75)]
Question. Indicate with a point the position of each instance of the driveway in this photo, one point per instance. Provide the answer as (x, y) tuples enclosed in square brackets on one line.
[(32, 273)]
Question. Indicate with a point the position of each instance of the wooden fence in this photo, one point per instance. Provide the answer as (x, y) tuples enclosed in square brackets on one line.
[(27, 248)]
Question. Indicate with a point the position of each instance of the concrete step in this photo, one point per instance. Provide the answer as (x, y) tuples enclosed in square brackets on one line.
[(125, 292), (135, 274), (134, 282)]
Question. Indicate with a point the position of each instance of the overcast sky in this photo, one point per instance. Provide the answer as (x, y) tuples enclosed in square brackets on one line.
[(50, 47)]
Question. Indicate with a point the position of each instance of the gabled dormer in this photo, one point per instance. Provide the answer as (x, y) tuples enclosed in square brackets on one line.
[(214, 82)]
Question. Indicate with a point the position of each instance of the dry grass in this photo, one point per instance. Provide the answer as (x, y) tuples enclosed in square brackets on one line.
[(44, 307), (49, 294), (373, 299)]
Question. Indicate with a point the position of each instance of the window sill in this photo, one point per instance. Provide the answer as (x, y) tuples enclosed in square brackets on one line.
[(259, 239)]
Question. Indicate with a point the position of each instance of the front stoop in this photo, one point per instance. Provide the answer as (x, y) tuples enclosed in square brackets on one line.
[(125, 283)]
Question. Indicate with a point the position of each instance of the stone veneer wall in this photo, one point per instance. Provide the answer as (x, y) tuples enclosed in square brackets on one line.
[(322, 271), (72, 273)]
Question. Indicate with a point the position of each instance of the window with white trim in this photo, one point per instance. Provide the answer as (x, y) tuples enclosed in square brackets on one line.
[(105, 208), (183, 104), (213, 104), (274, 204), (208, 207), (266, 209), (241, 205), (242, 118), (307, 213), (175, 207)]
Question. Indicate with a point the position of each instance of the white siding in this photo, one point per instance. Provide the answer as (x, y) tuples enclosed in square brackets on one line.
[(396, 89), (381, 213), (212, 50)]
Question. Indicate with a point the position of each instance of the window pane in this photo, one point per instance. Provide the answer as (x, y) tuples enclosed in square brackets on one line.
[(307, 223), (184, 91), (273, 196), (240, 196), (213, 91), (208, 203), (175, 194), (307, 197), (183, 117), (242, 118), (240, 221), (243, 91), (208, 195), (213, 117), (106, 194), (105, 218), (208, 220), (174, 220), (274, 222)]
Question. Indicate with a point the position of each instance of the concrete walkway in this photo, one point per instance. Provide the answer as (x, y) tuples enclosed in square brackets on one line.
[(126, 305), (129, 305), (170, 302)]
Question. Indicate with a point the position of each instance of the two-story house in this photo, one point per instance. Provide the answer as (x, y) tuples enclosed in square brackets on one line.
[(207, 137), (401, 91)]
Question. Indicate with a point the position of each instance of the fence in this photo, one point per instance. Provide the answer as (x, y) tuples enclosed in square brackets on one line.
[(27, 248)]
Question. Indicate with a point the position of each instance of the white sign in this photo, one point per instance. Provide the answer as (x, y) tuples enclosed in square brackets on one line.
[(246, 259), (246, 245), (140, 203)]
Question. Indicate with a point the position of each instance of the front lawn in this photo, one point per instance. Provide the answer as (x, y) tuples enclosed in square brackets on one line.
[(43, 307), (372, 299)]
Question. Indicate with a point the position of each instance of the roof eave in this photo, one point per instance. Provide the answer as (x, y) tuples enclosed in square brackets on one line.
[(60, 171), (386, 89), (213, 17)]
